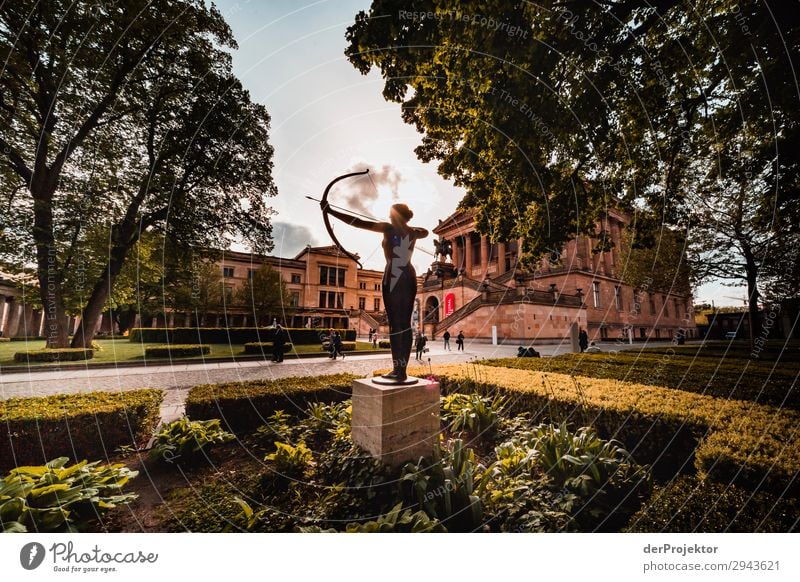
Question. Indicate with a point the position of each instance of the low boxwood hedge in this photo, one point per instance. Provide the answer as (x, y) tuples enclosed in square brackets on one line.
[(54, 355), (232, 335), (5, 339), (243, 406), (176, 351), (262, 348), (731, 441), (384, 344), (80, 426), (690, 504)]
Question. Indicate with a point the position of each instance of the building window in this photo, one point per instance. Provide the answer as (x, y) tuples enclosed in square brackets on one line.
[(493, 253), (331, 299), (295, 300), (362, 284), (227, 272), (228, 292), (677, 309), (295, 278), (652, 305), (377, 304), (250, 273), (332, 276), (618, 297), (666, 306), (362, 303), (377, 286), (596, 293), (604, 333)]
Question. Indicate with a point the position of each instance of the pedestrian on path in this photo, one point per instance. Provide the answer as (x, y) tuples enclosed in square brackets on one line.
[(446, 337), (278, 344), (583, 340), (460, 341), (375, 341), (420, 345), (338, 345)]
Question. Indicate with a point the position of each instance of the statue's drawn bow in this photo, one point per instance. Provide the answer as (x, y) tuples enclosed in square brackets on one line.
[(324, 204)]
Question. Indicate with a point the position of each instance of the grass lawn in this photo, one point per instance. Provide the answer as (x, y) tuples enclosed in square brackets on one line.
[(122, 350)]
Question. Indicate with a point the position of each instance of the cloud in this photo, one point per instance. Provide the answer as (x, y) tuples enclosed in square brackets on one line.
[(359, 193), (290, 239)]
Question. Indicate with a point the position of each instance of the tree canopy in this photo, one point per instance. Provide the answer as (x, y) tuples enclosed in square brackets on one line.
[(118, 119)]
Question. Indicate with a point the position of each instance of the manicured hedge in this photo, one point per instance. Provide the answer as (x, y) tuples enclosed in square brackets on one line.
[(346, 346), (732, 441), (384, 344), (5, 339), (690, 504), (740, 379), (261, 348), (233, 335), (243, 406), (79, 426), (55, 355), (176, 351)]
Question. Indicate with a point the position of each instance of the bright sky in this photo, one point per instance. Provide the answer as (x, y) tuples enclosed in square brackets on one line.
[(328, 119)]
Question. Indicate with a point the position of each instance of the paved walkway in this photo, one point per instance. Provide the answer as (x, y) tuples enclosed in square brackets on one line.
[(176, 380)]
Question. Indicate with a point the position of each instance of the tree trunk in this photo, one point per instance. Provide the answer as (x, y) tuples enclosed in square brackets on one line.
[(48, 272), (752, 302), (93, 310)]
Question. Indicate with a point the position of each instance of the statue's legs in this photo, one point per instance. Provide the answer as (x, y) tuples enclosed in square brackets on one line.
[(399, 303)]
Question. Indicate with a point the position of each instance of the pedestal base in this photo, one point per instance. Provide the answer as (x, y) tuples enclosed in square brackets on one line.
[(395, 423)]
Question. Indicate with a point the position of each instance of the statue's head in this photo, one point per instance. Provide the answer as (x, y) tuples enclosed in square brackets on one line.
[(401, 212)]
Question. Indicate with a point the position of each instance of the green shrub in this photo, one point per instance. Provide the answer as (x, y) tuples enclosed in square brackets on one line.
[(229, 335), (291, 461), (243, 406), (398, 520), (691, 504), (176, 351), (54, 497), (87, 425), (472, 412), (445, 487), (54, 355), (185, 440), (5, 339), (385, 344), (755, 445), (263, 348)]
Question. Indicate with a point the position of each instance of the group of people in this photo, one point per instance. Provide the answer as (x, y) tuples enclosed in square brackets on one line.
[(422, 340), (585, 345)]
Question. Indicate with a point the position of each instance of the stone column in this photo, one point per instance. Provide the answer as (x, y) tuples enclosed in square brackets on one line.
[(484, 254), (171, 319), (456, 255), (187, 320), (468, 254), (15, 312), (3, 314), (501, 258)]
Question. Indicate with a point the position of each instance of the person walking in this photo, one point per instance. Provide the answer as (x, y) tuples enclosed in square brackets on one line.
[(420, 345), (446, 337), (583, 340), (338, 345), (278, 344), (460, 341), (375, 340)]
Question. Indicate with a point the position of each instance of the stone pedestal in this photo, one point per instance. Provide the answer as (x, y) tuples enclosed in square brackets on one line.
[(396, 423)]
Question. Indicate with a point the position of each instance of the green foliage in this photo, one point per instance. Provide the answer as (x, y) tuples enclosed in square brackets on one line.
[(243, 406), (177, 351), (279, 426), (335, 419), (265, 294), (384, 344), (691, 504), (54, 355), (185, 440), (291, 461), (398, 520), (445, 486), (86, 424), (225, 335), (54, 497), (472, 412)]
